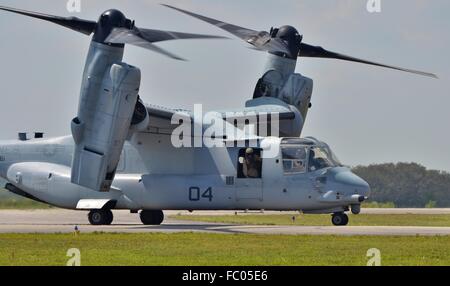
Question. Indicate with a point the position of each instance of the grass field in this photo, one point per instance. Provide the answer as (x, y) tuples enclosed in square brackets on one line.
[(325, 220), (10, 201), (369, 204), (220, 249), (21, 204)]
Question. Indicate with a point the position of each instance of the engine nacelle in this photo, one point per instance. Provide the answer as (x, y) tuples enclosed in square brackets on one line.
[(103, 124), (280, 81), (297, 91), (140, 119), (293, 89)]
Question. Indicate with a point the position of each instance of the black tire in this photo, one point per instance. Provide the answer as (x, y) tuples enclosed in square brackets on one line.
[(345, 222), (339, 219), (109, 217), (100, 217), (150, 217)]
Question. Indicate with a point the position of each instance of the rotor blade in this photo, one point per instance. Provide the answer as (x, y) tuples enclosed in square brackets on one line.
[(83, 26), (319, 52), (134, 37), (155, 36), (240, 32), (260, 40)]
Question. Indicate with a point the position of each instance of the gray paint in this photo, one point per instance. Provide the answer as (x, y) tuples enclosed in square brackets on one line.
[(43, 171)]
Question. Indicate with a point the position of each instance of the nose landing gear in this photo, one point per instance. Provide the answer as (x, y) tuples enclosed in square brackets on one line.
[(100, 217), (339, 219)]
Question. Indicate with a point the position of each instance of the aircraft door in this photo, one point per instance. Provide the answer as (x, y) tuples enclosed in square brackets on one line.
[(249, 184)]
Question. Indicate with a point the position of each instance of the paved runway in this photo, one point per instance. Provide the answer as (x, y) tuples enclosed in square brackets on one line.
[(51, 221), (424, 211)]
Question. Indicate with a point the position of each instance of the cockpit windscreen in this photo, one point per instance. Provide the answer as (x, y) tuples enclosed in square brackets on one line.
[(321, 157)]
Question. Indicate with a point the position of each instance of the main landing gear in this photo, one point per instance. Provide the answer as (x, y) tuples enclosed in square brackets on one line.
[(105, 217), (150, 217), (339, 219), (100, 217)]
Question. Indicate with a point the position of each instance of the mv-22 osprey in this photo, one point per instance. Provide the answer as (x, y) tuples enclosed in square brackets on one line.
[(122, 155)]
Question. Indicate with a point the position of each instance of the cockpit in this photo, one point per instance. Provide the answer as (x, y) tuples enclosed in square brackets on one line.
[(306, 155)]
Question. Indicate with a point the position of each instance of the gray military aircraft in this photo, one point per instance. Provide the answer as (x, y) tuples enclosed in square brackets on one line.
[(123, 154)]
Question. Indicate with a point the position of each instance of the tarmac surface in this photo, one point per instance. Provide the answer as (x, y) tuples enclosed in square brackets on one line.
[(64, 221)]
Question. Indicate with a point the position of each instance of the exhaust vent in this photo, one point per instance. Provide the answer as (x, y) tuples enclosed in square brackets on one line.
[(38, 135), (23, 136)]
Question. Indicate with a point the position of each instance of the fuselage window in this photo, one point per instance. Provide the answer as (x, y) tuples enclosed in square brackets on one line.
[(250, 163), (294, 159)]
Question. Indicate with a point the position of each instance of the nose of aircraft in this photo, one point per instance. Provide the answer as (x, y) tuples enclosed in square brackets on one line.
[(351, 182)]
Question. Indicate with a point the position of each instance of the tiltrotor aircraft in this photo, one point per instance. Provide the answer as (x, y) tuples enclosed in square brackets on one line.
[(123, 154)]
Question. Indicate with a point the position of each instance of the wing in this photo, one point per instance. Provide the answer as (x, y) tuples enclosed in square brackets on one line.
[(262, 113), (269, 117), (161, 119)]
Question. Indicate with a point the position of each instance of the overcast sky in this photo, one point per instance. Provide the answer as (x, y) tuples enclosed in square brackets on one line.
[(367, 114)]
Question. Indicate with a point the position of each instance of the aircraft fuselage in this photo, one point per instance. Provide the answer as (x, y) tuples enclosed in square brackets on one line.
[(152, 175)]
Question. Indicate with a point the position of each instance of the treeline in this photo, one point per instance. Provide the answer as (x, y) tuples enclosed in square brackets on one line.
[(407, 185)]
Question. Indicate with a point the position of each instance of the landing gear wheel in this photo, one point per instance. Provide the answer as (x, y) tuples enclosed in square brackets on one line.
[(100, 217), (151, 217), (109, 217), (339, 219)]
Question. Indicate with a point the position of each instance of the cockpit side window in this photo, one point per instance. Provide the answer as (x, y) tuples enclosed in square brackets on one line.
[(294, 159)]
